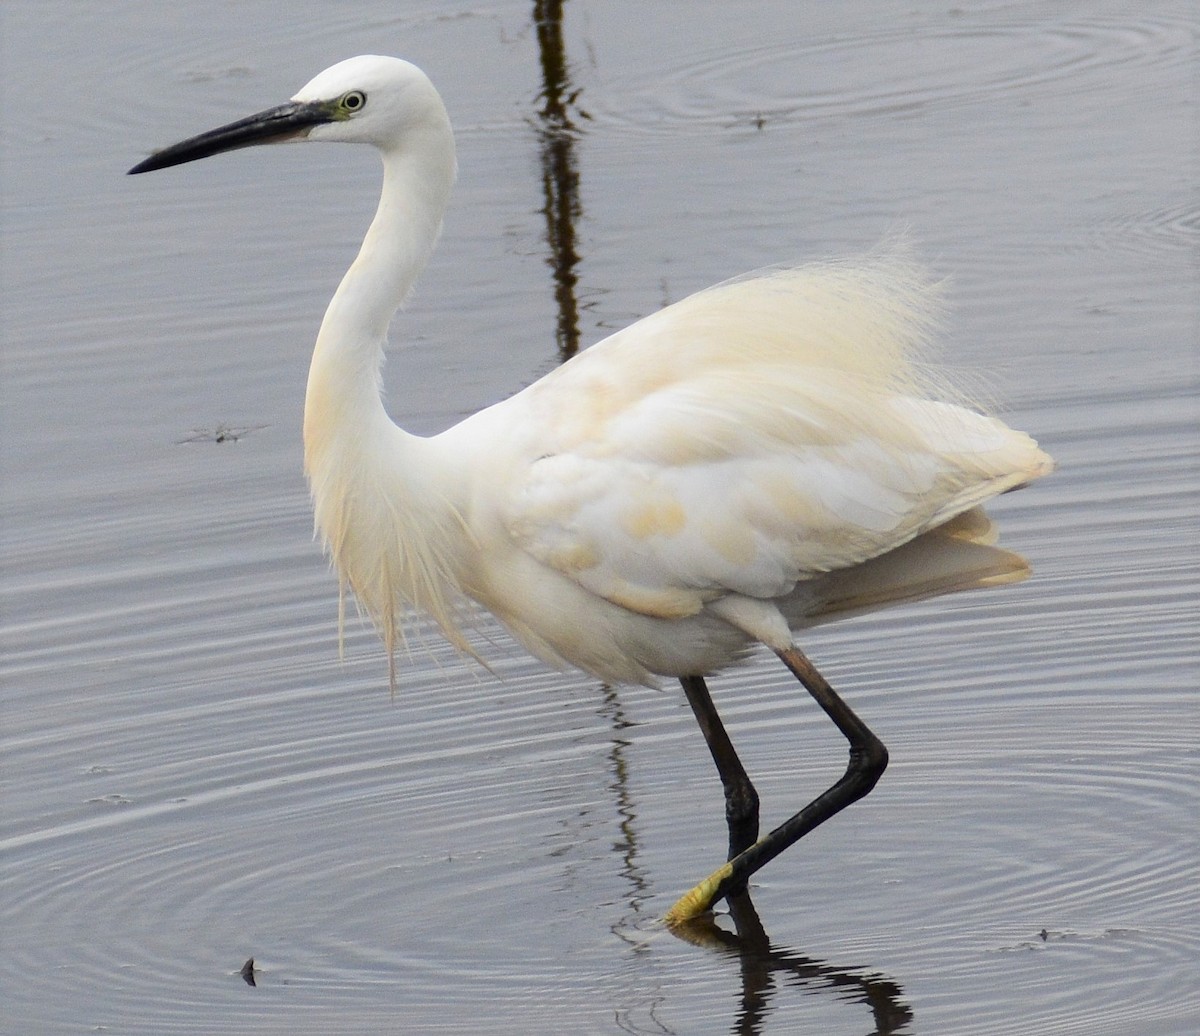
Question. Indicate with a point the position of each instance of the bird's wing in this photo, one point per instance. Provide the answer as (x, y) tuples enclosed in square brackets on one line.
[(751, 437)]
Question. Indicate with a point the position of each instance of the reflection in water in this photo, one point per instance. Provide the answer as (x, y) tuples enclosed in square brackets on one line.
[(627, 843), (764, 966), (560, 180)]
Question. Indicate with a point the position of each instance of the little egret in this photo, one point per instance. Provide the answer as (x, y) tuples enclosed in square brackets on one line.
[(747, 462)]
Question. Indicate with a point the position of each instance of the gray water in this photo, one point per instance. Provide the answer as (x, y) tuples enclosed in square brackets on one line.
[(191, 777)]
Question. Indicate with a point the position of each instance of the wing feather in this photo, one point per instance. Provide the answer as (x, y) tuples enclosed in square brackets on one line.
[(752, 437)]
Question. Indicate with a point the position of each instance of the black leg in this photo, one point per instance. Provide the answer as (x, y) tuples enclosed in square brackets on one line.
[(741, 800), (868, 759)]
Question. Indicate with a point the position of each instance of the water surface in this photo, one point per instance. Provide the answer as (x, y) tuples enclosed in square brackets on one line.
[(192, 777)]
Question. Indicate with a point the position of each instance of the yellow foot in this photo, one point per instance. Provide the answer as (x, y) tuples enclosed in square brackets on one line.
[(699, 899)]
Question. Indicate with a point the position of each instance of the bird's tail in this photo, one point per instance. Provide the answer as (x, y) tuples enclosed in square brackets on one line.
[(959, 555)]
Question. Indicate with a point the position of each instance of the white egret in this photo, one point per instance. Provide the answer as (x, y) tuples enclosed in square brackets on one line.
[(754, 459)]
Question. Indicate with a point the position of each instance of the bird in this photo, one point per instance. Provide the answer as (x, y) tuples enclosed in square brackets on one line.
[(757, 458)]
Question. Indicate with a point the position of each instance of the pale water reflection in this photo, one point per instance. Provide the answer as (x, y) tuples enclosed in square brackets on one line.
[(192, 778)]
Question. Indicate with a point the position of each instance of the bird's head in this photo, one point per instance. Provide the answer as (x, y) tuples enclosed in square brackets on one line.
[(365, 100)]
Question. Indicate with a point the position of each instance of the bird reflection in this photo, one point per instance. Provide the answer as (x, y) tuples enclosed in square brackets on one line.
[(560, 179), (764, 968)]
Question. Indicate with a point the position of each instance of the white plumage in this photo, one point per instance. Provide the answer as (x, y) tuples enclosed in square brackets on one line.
[(729, 450), (741, 464)]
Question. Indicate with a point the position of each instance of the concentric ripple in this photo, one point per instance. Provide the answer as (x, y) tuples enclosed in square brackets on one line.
[(917, 67)]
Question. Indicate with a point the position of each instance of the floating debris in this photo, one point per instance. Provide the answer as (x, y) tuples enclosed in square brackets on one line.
[(222, 433)]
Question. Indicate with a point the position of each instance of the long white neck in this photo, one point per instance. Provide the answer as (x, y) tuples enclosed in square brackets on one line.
[(343, 380), (374, 503)]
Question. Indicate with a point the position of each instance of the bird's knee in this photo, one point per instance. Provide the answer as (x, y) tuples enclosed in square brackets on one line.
[(868, 760)]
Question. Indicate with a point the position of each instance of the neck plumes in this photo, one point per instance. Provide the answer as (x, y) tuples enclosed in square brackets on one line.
[(378, 506)]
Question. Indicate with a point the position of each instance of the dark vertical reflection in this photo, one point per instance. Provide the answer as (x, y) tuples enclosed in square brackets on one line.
[(626, 845), (764, 968), (560, 180)]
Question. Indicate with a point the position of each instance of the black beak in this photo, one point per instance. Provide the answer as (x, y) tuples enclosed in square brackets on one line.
[(273, 126)]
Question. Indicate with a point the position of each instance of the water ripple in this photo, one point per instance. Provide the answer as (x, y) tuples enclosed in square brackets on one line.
[(193, 778), (939, 67)]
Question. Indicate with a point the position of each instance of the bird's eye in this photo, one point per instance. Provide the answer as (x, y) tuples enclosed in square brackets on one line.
[(354, 101)]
